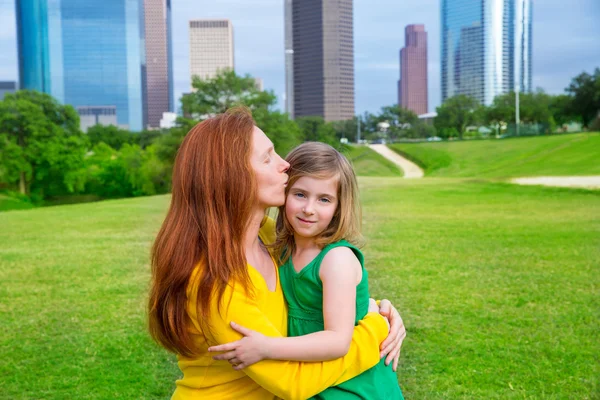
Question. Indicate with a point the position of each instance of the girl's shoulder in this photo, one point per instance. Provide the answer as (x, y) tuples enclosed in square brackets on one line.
[(340, 257), (344, 249)]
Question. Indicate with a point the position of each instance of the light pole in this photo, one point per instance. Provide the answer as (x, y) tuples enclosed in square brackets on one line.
[(517, 108)]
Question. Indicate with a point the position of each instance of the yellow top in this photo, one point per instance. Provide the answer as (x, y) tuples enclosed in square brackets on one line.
[(266, 312)]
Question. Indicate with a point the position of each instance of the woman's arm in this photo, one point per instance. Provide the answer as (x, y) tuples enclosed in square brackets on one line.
[(340, 272), (292, 379)]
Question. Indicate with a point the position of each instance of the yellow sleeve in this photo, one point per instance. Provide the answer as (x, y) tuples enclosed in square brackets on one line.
[(293, 379)]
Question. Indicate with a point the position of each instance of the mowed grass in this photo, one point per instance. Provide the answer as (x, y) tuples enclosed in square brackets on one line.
[(367, 162), (561, 155), (497, 284), (73, 287)]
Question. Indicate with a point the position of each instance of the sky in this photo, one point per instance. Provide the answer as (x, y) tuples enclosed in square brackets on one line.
[(566, 42)]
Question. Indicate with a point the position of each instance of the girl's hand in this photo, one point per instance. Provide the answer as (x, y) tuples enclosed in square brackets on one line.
[(391, 345), (374, 307), (250, 349)]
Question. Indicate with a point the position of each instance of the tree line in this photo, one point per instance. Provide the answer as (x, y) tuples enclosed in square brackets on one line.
[(45, 155)]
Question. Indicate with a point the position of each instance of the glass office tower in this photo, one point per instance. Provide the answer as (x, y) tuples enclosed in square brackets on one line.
[(86, 53), (486, 47)]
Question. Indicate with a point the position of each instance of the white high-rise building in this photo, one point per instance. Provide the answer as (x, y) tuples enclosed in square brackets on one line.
[(486, 47), (211, 47)]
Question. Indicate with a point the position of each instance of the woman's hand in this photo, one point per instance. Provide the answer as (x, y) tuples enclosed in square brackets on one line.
[(391, 345), (250, 349)]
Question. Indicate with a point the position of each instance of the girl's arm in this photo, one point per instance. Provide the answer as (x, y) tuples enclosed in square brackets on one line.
[(340, 273), (291, 379)]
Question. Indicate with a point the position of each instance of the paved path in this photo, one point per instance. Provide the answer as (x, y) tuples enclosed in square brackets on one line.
[(411, 170), (587, 182)]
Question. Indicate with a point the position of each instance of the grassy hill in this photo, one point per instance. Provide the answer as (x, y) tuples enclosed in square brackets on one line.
[(561, 155), (367, 162), (497, 285)]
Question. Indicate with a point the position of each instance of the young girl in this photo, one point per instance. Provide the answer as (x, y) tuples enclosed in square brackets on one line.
[(322, 275)]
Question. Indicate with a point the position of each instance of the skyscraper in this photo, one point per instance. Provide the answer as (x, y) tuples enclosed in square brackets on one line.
[(90, 54), (486, 47), (289, 58), (323, 58), (211, 47), (413, 70), (7, 87), (159, 60)]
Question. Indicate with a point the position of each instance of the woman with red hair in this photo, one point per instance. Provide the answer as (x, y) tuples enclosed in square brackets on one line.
[(211, 269)]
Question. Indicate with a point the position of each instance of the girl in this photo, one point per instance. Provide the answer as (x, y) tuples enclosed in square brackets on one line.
[(322, 275)]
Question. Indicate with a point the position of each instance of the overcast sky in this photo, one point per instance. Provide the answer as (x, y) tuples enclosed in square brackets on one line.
[(566, 41)]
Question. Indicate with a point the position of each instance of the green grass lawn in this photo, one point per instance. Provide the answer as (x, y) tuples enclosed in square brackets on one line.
[(497, 284), (367, 162), (560, 155)]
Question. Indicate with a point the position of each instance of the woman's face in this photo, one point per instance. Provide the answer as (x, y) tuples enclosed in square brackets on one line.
[(269, 170)]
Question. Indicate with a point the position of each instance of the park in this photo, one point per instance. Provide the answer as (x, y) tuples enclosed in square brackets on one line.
[(496, 282)]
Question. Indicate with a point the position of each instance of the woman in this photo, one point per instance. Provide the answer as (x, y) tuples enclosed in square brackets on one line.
[(211, 269)]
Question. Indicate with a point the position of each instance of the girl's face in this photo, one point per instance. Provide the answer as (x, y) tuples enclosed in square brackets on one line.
[(269, 170), (311, 204)]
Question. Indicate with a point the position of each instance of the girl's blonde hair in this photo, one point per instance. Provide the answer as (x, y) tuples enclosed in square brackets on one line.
[(321, 161)]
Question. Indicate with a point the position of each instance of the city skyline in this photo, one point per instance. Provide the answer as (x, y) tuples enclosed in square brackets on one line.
[(564, 45)]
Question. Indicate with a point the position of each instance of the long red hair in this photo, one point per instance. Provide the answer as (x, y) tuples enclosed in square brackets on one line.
[(212, 201)]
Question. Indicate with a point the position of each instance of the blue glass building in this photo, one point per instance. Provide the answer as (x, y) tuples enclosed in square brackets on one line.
[(486, 47), (86, 53)]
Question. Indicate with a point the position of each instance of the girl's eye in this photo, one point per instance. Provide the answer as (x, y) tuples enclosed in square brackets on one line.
[(299, 194), (325, 200)]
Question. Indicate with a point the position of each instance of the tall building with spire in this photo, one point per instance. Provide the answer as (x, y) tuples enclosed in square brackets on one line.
[(413, 70)]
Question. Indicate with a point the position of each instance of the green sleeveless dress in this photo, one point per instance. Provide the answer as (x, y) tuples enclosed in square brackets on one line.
[(304, 294)]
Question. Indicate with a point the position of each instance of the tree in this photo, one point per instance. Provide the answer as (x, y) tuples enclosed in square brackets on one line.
[(216, 95), (585, 89), (283, 132), (128, 172), (534, 108), (315, 129), (345, 129), (561, 108), (457, 113), (52, 147), (12, 161), (146, 138), (404, 123), (368, 125), (112, 135)]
